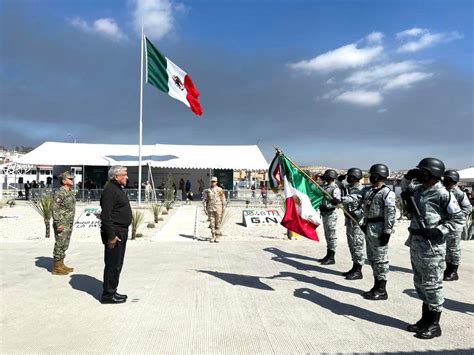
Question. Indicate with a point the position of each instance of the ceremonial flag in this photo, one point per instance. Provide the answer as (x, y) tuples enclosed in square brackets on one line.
[(274, 174), (166, 76), (302, 199)]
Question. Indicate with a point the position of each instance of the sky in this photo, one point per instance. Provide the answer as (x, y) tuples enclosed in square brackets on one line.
[(331, 83)]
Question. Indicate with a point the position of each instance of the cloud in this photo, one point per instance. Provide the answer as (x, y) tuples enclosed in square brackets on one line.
[(420, 38), (375, 37), (361, 98), (381, 73), (104, 26), (156, 16), (346, 57), (405, 81), (412, 32)]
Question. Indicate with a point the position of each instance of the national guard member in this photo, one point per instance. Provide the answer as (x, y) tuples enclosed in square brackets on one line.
[(379, 219), (64, 208), (355, 237), (434, 213), (329, 215), (214, 204), (453, 240)]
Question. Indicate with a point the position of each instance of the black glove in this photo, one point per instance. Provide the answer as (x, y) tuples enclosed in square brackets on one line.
[(335, 201), (412, 174), (384, 238), (428, 233), (341, 178), (363, 228)]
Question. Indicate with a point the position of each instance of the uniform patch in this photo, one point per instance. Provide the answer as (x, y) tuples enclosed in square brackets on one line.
[(390, 199), (465, 201), (453, 205)]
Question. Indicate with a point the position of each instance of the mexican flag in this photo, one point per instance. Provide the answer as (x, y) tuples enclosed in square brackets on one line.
[(302, 200), (166, 76)]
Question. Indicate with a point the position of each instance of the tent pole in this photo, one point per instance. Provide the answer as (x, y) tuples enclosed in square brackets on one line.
[(141, 124)]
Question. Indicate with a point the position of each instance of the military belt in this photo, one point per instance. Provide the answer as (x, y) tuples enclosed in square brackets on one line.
[(375, 220)]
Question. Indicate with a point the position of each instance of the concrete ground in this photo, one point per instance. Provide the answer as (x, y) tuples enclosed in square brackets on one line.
[(243, 297)]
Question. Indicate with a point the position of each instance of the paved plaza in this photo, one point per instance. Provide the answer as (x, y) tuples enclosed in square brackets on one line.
[(235, 297)]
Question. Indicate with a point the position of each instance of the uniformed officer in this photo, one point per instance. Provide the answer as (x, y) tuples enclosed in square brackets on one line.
[(329, 215), (379, 219), (355, 237), (453, 239), (434, 213), (64, 208), (214, 204)]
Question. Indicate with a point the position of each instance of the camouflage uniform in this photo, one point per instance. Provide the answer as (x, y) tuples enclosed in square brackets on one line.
[(379, 212), (214, 203), (329, 215), (355, 237), (64, 208), (439, 209), (453, 239)]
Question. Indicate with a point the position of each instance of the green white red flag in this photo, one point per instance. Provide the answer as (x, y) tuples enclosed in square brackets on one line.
[(302, 198), (166, 76)]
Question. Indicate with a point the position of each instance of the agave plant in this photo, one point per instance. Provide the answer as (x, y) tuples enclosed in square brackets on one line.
[(44, 206), (156, 209), (225, 218), (169, 192), (137, 219)]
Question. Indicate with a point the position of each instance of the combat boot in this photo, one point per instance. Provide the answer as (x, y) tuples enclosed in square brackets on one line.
[(451, 273), (325, 258), (432, 328), (356, 274), (66, 268), (57, 268), (330, 258), (415, 328), (354, 265), (378, 293)]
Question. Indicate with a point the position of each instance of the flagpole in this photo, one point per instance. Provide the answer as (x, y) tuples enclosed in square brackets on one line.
[(140, 124), (317, 185)]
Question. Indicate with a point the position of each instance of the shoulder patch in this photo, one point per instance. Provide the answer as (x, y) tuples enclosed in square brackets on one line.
[(453, 205), (465, 201), (389, 199)]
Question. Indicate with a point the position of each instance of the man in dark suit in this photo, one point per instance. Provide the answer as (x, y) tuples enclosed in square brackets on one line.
[(116, 217)]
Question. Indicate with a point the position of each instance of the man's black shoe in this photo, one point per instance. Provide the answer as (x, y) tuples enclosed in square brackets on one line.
[(118, 295), (112, 300)]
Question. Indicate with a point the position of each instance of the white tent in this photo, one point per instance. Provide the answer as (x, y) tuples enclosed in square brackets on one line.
[(466, 175), (235, 157)]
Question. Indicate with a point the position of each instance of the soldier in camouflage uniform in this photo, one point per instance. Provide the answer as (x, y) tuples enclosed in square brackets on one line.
[(329, 215), (379, 219), (214, 204), (434, 213), (453, 240), (64, 208), (355, 237)]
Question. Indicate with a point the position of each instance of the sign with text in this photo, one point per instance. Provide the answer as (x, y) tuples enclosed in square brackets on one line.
[(90, 218), (261, 217)]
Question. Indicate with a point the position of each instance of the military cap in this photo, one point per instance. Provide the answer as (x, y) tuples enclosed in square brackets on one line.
[(65, 175), (214, 179)]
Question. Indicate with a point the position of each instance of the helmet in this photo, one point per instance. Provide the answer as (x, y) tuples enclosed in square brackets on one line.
[(355, 172), (331, 173), (434, 166), (452, 174), (380, 169)]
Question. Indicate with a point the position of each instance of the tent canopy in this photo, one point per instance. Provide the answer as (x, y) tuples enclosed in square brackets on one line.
[(235, 157), (466, 175)]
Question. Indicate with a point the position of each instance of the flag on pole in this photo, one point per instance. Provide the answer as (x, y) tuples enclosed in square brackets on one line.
[(274, 174), (166, 76), (302, 199)]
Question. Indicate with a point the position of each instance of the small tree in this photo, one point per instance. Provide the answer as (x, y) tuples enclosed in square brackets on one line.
[(169, 192), (137, 219), (44, 206)]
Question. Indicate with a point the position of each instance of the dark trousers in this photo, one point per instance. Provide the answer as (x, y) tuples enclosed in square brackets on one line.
[(113, 259)]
